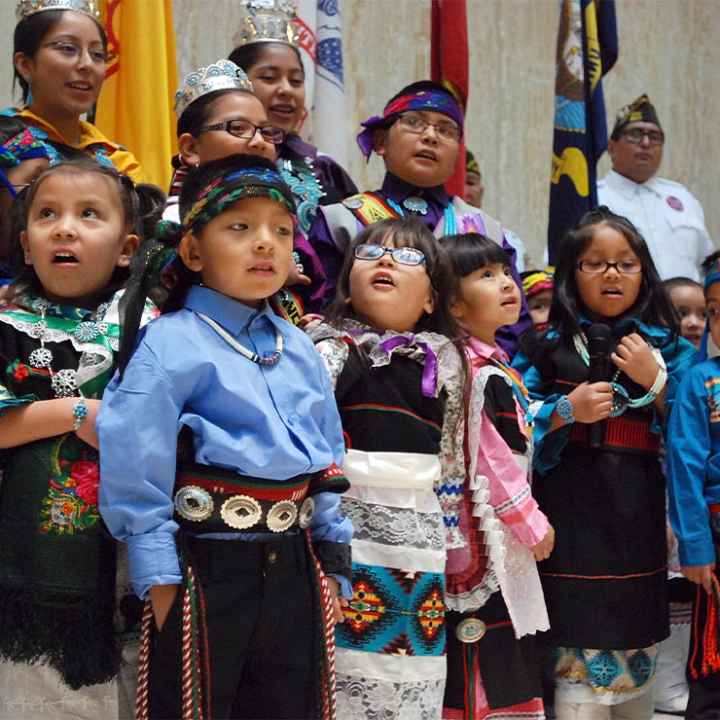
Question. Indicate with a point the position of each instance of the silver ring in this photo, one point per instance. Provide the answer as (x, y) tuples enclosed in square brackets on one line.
[(307, 510), (241, 512), (193, 503), (281, 516)]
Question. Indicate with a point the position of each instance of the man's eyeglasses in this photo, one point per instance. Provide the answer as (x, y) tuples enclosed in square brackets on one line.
[(245, 130), (600, 267), (636, 135), (402, 255), (447, 131)]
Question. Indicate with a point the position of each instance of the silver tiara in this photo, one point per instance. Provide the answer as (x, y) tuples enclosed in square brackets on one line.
[(25, 8), (222, 75), (268, 21)]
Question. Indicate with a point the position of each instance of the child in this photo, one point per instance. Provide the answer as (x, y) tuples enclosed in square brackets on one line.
[(213, 518), (605, 581), (399, 389), (59, 332), (418, 138), (538, 288), (688, 299), (495, 591), (694, 502)]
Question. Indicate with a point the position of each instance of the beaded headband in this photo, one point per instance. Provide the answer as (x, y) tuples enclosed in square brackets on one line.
[(536, 282), (25, 8), (268, 21), (712, 274), (222, 75), (28, 143), (441, 101)]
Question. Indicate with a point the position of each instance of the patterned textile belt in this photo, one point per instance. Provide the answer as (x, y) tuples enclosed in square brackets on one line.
[(209, 499), (622, 433)]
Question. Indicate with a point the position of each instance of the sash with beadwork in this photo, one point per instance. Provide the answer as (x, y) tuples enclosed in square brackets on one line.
[(369, 208)]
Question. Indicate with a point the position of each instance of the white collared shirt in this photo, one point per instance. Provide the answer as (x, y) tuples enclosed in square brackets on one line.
[(667, 215)]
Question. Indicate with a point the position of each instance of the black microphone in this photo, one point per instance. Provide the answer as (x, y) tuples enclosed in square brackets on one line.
[(599, 343)]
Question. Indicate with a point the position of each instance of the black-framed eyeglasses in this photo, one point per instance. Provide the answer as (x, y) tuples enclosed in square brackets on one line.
[(417, 124), (636, 135), (245, 130), (600, 267), (402, 255), (73, 50)]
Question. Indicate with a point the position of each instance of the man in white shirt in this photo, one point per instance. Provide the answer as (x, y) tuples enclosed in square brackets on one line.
[(667, 214)]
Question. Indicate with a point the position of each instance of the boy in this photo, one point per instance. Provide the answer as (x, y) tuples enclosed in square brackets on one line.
[(693, 459), (688, 299), (216, 540), (418, 138)]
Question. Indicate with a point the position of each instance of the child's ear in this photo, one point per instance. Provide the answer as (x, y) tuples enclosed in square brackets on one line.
[(23, 64), (129, 247), (457, 309), (189, 252), (187, 145), (26, 247), (430, 302)]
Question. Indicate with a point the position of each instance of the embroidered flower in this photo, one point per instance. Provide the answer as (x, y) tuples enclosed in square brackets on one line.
[(86, 475), (21, 372)]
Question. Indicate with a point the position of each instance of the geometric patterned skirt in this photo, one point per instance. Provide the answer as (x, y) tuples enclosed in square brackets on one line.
[(390, 648)]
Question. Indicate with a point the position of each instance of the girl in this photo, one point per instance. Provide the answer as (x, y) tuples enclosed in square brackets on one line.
[(219, 115), (494, 590), (59, 58), (59, 331), (605, 581), (268, 52), (398, 387)]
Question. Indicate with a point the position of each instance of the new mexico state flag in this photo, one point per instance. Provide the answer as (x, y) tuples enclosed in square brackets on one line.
[(135, 105)]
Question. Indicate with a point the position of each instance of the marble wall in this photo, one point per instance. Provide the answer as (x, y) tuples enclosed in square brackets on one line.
[(668, 48)]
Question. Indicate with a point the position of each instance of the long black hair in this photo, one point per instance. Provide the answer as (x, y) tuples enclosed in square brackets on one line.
[(652, 307), (469, 252), (29, 34), (142, 208), (405, 232)]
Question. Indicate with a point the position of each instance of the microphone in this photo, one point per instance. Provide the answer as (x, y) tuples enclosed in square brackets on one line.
[(599, 343)]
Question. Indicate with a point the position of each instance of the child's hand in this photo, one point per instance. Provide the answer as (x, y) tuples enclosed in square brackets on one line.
[(634, 357), (338, 603), (87, 432), (162, 598), (591, 401), (542, 550), (295, 276), (700, 575)]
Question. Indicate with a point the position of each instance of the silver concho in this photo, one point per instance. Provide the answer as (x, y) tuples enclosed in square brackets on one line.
[(241, 512), (353, 203), (281, 516), (193, 503), (40, 358), (307, 510), (470, 630), (64, 383)]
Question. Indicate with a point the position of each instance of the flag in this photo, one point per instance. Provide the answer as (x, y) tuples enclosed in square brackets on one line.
[(587, 48), (135, 105), (320, 31), (449, 62)]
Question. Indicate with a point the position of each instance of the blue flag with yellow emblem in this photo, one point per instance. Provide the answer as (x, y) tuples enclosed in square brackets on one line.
[(587, 47)]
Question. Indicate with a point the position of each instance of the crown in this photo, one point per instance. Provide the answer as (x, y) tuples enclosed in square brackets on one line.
[(25, 8), (268, 21), (222, 75)]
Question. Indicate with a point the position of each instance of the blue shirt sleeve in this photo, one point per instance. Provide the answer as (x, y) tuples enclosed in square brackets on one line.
[(688, 451), (137, 427)]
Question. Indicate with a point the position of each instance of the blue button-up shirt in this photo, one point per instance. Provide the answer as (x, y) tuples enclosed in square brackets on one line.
[(273, 422)]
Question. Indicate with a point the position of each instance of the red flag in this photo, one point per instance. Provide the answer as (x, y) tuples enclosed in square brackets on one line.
[(449, 61)]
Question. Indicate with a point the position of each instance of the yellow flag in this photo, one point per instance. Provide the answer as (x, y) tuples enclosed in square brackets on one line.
[(135, 105)]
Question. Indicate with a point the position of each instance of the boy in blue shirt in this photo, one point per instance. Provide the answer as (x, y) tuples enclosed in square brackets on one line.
[(219, 441), (693, 458)]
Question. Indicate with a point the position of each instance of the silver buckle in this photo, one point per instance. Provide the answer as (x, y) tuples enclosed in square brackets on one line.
[(193, 503), (281, 516), (241, 512)]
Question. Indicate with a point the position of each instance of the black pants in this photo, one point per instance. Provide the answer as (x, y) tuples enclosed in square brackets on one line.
[(263, 633)]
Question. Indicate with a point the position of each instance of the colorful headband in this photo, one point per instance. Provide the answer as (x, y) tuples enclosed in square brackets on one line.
[(640, 110), (536, 282), (428, 100), (712, 274), (222, 192), (27, 144)]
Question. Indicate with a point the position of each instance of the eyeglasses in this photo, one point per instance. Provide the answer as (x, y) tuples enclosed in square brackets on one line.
[(402, 255), (600, 267), (636, 135), (416, 124), (73, 51), (245, 130)]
